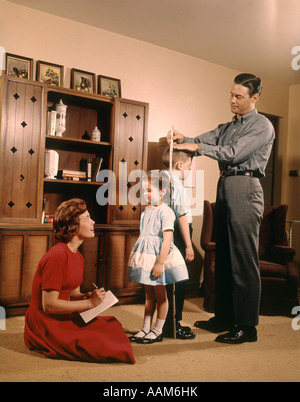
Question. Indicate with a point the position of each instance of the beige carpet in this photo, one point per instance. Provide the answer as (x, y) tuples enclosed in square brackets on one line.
[(275, 357)]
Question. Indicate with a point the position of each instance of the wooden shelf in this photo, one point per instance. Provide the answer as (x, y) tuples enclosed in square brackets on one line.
[(71, 140), (76, 144), (78, 94), (84, 183)]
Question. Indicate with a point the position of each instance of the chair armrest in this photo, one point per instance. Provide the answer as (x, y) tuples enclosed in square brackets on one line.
[(283, 250), (281, 254), (210, 246), (207, 225)]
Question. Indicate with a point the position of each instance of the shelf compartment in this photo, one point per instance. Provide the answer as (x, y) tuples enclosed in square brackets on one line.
[(57, 191), (84, 113)]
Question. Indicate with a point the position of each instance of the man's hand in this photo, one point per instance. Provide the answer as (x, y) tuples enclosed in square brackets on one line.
[(179, 145), (186, 146), (177, 137)]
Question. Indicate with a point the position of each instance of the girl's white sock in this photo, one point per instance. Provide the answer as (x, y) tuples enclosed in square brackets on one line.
[(146, 327), (157, 330)]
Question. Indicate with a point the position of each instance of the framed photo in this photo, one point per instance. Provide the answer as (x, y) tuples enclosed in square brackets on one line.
[(109, 86), (19, 66), (49, 73), (83, 81)]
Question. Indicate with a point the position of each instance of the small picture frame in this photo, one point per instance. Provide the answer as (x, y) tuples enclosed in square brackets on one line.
[(19, 66), (109, 86), (49, 73), (83, 81)]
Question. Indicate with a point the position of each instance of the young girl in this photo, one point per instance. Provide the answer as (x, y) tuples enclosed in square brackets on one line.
[(155, 261)]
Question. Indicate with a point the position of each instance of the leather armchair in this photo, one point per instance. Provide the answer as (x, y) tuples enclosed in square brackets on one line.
[(278, 272)]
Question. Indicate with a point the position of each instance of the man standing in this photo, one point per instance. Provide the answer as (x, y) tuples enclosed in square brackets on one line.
[(242, 148)]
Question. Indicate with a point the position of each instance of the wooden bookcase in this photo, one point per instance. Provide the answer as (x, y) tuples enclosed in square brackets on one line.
[(23, 237), (84, 113)]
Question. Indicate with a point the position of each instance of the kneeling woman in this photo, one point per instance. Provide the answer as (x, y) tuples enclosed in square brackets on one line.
[(52, 324)]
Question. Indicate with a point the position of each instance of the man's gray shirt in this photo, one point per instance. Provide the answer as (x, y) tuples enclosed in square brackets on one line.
[(242, 144)]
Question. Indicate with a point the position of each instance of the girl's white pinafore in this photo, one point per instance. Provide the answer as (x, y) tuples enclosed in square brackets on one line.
[(154, 221)]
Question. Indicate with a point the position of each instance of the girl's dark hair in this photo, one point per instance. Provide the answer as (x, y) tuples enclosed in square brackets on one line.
[(251, 82), (66, 219), (163, 182)]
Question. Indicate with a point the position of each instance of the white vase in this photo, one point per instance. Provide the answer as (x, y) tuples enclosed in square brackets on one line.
[(51, 123), (51, 163), (96, 134), (61, 110)]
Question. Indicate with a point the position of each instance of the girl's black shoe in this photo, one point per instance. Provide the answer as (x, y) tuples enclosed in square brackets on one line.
[(148, 341), (136, 338)]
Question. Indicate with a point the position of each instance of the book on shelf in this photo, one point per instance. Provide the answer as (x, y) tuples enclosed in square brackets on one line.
[(96, 167), (86, 166), (72, 178), (91, 167), (71, 174), (48, 218), (44, 207)]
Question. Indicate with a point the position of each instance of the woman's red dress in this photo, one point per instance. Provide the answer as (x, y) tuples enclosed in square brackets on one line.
[(66, 336)]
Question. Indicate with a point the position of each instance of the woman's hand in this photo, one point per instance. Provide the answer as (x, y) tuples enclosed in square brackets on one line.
[(97, 297), (157, 270)]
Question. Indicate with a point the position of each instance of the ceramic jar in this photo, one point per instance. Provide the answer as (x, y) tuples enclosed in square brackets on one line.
[(96, 134), (60, 127)]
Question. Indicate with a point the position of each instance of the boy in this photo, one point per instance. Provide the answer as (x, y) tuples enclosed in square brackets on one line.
[(181, 162)]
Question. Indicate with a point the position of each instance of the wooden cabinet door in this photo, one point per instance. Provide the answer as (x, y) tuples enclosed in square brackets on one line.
[(130, 154), (11, 250), (93, 251), (105, 263), (22, 153), (20, 253)]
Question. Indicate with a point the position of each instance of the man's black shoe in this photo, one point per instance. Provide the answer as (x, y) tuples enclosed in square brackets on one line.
[(238, 335), (213, 325)]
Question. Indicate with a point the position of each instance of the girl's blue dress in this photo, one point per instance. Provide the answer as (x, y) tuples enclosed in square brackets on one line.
[(154, 221)]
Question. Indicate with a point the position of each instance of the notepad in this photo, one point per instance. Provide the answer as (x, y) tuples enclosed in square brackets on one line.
[(109, 300)]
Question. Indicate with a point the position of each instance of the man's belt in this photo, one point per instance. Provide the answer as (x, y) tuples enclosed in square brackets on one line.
[(251, 173)]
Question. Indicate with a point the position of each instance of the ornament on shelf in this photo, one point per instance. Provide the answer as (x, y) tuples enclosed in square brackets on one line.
[(96, 134), (86, 136), (51, 163), (61, 110), (51, 123)]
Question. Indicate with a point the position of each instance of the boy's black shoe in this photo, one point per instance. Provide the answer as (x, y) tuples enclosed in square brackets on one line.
[(181, 333)]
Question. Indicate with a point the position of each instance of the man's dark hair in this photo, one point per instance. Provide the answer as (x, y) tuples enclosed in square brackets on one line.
[(251, 82)]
